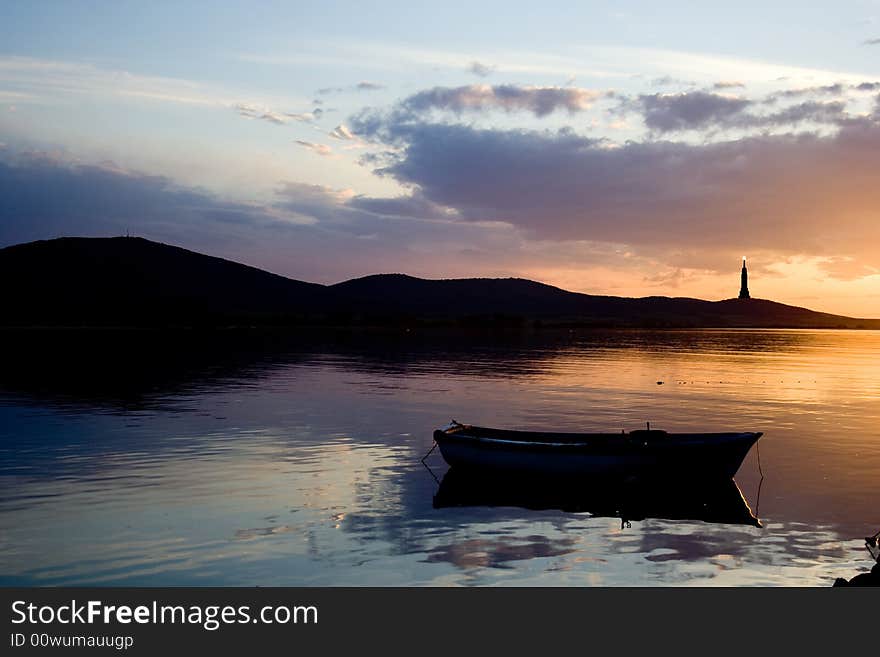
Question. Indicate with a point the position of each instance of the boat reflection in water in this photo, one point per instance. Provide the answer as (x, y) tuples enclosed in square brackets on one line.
[(714, 500)]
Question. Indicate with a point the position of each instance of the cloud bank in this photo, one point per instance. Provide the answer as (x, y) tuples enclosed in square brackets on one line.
[(792, 193), (688, 111), (539, 101)]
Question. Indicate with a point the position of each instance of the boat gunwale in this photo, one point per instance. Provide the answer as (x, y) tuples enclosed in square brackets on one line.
[(557, 440)]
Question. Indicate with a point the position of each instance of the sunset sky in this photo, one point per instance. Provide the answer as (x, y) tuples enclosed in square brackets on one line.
[(618, 148)]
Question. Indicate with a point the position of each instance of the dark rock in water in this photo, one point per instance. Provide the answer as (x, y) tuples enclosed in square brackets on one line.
[(865, 579)]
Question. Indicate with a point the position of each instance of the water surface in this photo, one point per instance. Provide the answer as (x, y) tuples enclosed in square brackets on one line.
[(254, 459)]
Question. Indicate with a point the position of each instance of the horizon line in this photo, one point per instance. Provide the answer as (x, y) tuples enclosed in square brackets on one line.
[(128, 236)]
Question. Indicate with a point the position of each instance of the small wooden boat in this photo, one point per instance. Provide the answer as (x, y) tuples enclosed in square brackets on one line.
[(636, 453)]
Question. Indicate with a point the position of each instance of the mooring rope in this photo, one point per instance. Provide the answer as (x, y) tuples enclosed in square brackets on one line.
[(433, 447), (760, 481)]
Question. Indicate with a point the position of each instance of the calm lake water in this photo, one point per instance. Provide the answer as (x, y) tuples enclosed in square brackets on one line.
[(149, 459)]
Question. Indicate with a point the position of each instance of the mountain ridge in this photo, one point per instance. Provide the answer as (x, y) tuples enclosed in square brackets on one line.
[(132, 281)]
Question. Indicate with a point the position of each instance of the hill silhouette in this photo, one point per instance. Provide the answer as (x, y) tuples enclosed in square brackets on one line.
[(124, 281)]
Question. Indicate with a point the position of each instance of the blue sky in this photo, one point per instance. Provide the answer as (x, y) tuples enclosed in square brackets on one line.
[(662, 139)]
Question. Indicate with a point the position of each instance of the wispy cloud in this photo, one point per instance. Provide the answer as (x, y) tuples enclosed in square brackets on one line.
[(342, 132), (479, 69), (668, 80), (372, 55), (33, 79), (845, 268), (584, 62), (41, 77), (834, 89), (14, 96), (305, 117), (693, 64), (273, 116), (363, 85), (320, 149), (251, 112)]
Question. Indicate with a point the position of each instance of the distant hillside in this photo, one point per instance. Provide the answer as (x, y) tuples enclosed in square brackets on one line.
[(397, 294), (135, 282)]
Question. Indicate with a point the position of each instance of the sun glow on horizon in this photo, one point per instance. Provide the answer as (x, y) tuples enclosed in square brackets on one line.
[(797, 282)]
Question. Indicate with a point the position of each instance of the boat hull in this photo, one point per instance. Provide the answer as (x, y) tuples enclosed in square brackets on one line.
[(638, 453)]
